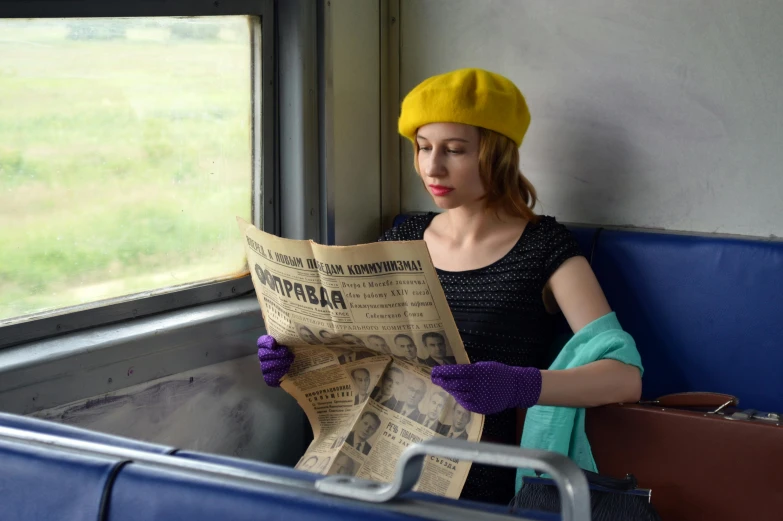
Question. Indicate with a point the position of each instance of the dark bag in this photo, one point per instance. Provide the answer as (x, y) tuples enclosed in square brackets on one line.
[(611, 499)]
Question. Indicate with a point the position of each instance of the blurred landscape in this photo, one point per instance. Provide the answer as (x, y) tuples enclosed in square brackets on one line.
[(125, 155)]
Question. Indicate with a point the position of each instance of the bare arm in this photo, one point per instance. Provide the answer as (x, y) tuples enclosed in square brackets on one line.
[(580, 297)]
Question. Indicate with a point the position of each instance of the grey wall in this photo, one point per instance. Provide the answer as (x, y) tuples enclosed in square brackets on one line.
[(664, 114), (223, 408)]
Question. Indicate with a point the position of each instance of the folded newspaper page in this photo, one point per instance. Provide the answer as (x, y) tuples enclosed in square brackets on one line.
[(366, 324)]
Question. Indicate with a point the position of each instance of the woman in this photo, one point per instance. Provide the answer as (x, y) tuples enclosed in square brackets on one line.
[(505, 271)]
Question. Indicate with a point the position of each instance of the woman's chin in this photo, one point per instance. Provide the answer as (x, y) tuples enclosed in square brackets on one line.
[(446, 203)]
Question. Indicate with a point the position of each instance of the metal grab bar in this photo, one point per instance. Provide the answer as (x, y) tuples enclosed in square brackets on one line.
[(571, 482)]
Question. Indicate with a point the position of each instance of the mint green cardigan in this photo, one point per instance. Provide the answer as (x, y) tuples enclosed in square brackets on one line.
[(562, 429)]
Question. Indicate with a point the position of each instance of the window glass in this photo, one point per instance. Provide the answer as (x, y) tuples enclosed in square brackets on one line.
[(125, 155)]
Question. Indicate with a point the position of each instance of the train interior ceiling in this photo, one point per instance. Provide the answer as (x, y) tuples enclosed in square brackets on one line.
[(133, 133)]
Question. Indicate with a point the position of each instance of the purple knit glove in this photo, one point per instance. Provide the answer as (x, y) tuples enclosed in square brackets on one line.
[(489, 387), (275, 360)]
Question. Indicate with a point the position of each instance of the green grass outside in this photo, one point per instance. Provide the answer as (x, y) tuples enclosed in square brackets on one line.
[(122, 163)]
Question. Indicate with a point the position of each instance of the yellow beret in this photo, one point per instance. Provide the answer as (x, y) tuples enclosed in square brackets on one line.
[(469, 96)]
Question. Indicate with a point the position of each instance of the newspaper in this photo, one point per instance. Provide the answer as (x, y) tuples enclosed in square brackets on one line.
[(366, 324)]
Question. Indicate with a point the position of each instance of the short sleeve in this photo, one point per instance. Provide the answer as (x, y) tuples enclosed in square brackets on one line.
[(411, 229), (561, 246), (389, 235)]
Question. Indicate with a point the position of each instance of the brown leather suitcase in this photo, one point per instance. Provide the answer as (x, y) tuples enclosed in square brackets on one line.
[(701, 455)]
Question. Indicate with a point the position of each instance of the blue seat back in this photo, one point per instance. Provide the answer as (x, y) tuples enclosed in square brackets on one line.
[(704, 310), (38, 483), (46, 482), (261, 467), (177, 495)]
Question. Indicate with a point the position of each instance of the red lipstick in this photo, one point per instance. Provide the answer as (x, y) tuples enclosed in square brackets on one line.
[(440, 190)]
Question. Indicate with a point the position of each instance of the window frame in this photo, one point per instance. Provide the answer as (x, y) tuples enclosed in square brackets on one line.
[(265, 178)]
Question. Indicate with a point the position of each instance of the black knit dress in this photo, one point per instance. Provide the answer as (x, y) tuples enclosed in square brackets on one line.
[(500, 314)]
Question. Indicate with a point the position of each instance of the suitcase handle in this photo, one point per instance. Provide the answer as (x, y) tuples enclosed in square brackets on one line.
[(695, 399), (570, 480)]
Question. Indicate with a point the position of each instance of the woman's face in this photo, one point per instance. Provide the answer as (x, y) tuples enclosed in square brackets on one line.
[(448, 160)]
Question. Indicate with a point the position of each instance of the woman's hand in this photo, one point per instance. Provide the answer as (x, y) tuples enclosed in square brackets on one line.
[(275, 360), (489, 387)]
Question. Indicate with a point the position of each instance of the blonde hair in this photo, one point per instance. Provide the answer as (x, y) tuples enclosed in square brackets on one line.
[(507, 189)]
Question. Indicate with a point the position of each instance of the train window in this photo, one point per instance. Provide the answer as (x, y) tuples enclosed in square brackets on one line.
[(127, 148)]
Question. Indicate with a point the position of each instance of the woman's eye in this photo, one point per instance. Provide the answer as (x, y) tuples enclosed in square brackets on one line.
[(455, 152), (425, 149)]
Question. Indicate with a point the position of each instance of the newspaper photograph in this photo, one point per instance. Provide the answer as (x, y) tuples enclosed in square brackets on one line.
[(366, 324)]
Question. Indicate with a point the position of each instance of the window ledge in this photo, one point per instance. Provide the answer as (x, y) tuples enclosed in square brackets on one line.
[(51, 372)]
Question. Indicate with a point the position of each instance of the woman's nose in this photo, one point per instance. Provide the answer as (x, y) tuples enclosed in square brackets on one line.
[(434, 166)]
